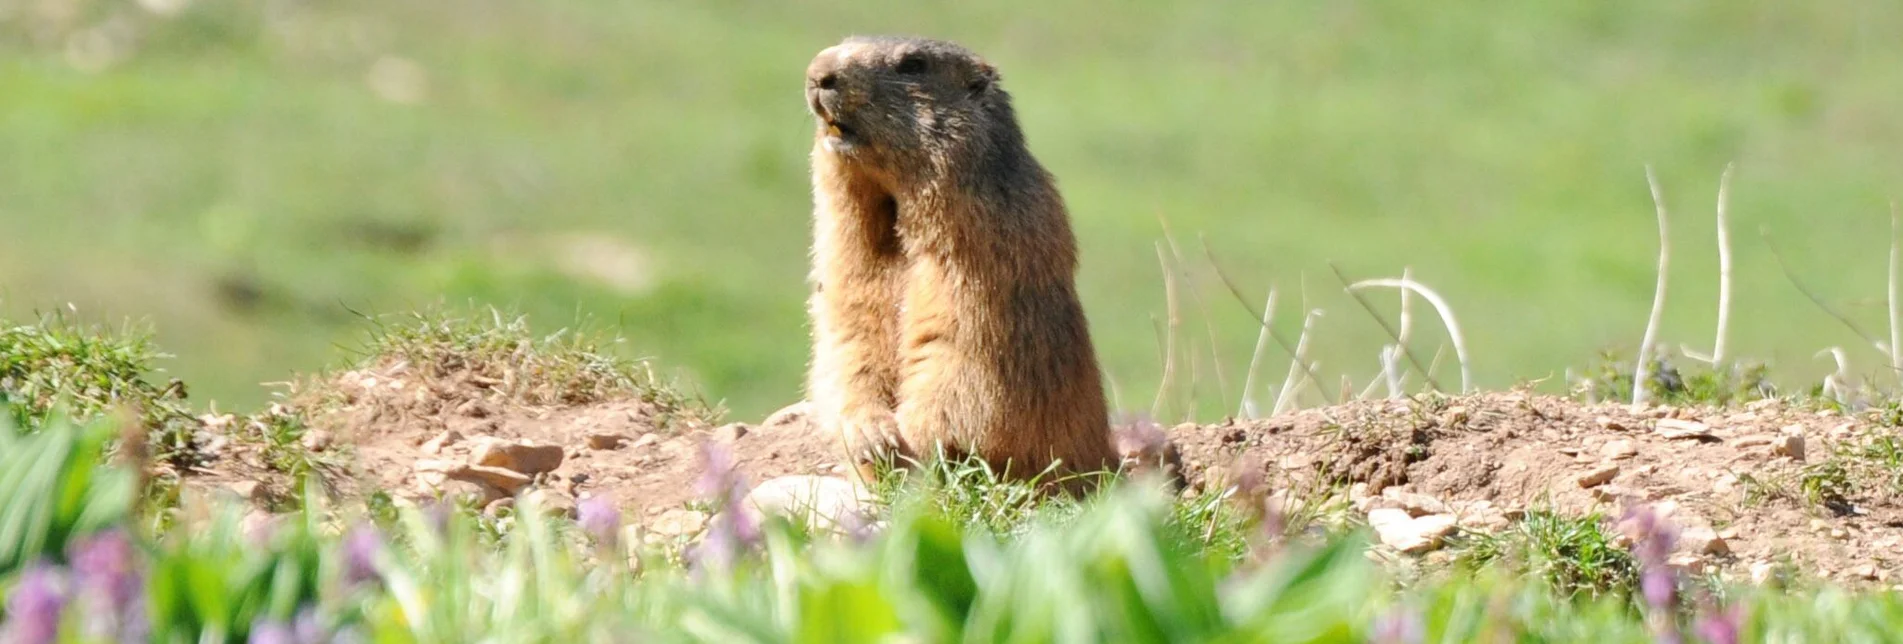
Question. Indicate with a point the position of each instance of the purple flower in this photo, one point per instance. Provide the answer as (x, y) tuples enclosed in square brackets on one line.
[(1653, 537), (270, 631), (1398, 626), (35, 606), (360, 548), (108, 563), (1141, 436), (308, 629), (106, 568), (599, 517), (1721, 627), (720, 480), (1659, 586)]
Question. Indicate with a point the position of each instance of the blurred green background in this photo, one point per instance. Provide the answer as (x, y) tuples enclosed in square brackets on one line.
[(243, 175)]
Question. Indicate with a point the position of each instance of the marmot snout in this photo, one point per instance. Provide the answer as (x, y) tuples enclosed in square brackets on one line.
[(853, 86)]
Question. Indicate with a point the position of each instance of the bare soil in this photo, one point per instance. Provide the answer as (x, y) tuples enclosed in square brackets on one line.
[(1773, 482)]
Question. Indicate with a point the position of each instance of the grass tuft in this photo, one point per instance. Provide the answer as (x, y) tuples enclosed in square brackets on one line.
[(87, 371)]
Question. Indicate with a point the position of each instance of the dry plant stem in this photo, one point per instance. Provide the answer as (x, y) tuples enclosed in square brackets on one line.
[(1391, 369), (1718, 353), (1896, 303), (1765, 234), (1169, 338), (1297, 368), (1446, 317), (1395, 335), (1209, 324), (1244, 301), (1189, 393), (1643, 370), (1248, 407), (1835, 382)]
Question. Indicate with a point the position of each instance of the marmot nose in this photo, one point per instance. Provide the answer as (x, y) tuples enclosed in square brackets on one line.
[(827, 81)]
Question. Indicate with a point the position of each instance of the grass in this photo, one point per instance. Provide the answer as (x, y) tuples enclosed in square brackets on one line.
[(1111, 572), (55, 367), (235, 176), (498, 354), (1575, 556)]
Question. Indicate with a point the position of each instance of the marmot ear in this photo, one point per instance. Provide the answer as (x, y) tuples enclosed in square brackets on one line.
[(987, 76)]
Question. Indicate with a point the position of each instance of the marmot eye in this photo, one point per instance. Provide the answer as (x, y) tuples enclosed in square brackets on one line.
[(911, 65)]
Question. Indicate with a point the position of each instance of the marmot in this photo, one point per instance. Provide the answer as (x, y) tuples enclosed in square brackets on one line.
[(945, 311)]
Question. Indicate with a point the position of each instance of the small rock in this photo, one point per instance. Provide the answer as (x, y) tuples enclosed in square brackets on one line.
[(1839, 534), (1703, 541), (1619, 449), (795, 413), (1866, 572), (1756, 440), (1791, 444), (523, 456), (820, 501), (1455, 416), (550, 502), (1609, 493), (480, 493), (1416, 504), (730, 432), (1674, 429), (508, 481), (1606, 422), (1599, 476), (1761, 571), (316, 440), (679, 522), (1409, 534), (1688, 563), (442, 441), (605, 440), (248, 490), (645, 440)]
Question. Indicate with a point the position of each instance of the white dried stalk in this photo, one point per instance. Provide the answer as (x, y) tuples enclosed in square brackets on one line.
[(1391, 367), (1169, 339), (1446, 317), (1896, 303), (1643, 371), (1718, 353), (1292, 384), (1248, 408), (1834, 383)]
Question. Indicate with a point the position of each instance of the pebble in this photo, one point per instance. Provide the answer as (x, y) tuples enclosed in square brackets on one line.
[(1599, 476), (1408, 534), (524, 457)]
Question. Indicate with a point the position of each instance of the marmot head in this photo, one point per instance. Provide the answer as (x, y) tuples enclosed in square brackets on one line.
[(897, 102)]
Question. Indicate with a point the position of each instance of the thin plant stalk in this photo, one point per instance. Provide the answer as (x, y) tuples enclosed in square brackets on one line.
[(1297, 369), (1896, 303), (1643, 370), (1446, 317), (1248, 407), (1169, 338), (1209, 323), (1718, 353)]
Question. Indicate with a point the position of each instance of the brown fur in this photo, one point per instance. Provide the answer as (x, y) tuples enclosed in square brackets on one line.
[(945, 310)]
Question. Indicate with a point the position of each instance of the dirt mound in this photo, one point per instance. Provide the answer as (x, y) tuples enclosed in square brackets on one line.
[(1756, 487), (1768, 484)]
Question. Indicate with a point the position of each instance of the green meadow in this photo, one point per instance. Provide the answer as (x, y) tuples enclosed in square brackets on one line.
[(248, 178)]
